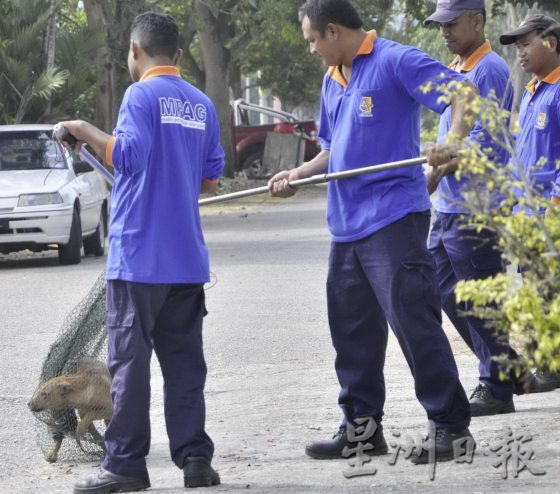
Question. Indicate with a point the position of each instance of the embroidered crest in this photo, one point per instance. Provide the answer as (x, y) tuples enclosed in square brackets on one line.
[(366, 107), (541, 120)]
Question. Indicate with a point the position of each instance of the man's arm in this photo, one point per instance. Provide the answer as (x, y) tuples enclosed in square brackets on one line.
[(278, 184), (88, 133), (443, 158)]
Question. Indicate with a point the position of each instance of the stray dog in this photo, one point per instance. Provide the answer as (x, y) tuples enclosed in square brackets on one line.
[(87, 390)]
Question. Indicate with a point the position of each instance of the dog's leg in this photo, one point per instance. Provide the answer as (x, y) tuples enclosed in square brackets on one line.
[(97, 437), (84, 425), (53, 453)]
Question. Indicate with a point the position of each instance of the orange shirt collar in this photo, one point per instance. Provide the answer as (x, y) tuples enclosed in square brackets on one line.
[(365, 49), (367, 44), (471, 62), (551, 78), (161, 70)]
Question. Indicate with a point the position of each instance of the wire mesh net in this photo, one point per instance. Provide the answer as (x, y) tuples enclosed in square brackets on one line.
[(72, 402)]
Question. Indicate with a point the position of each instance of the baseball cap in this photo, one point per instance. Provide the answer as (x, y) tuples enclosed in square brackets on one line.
[(537, 22), (448, 10)]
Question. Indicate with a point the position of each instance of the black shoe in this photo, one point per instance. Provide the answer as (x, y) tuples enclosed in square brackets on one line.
[(483, 403), (104, 481), (331, 449), (543, 381), (199, 473), (443, 442)]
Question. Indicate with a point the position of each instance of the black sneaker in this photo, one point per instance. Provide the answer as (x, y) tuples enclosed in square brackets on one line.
[(198, 472), (483, 403), (104, 482), (331, 449), (443, 442)]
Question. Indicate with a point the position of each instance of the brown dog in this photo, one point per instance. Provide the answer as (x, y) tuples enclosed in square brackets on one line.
[(87, 390)]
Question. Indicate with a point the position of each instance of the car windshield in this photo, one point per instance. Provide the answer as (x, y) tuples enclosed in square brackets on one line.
[(30, 151)]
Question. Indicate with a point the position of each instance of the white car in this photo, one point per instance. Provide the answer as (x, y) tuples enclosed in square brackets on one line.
[(48, 197)]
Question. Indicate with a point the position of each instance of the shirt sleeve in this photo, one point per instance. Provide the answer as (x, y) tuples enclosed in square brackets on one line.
[(556, 157), (215, 160), (494, 85), (324, 133), (133, 134), (415, 69)]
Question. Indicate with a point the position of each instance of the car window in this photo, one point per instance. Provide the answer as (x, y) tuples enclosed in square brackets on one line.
[(30, 151), (254, 116)]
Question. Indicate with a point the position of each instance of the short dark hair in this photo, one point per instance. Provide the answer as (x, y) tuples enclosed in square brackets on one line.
[(158, 34), (323, 12)]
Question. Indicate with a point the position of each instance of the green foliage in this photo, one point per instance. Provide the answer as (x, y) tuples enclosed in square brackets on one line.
[(76, 45), (280, 57), (24, 76), (418, 10), (527, 309), (498, 6)]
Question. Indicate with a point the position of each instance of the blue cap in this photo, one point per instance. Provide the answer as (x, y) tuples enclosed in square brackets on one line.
[(449, 10)]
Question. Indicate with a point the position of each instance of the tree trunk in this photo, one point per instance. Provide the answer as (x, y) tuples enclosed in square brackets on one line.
[(217, 59), (235, 80), (98, 15), (111, 58), (49, 50)]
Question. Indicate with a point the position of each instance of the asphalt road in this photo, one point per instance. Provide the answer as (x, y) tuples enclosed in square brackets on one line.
[(271, 385)]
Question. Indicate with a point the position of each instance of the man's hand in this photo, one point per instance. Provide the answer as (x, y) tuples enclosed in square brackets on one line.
[(279, 186), (433, 177), (88, 133), (72, 127), (444, 154)]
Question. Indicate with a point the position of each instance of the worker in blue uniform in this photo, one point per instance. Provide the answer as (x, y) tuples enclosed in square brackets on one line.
[(165, 149)]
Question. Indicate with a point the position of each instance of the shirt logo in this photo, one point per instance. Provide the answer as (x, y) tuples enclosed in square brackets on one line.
[(366, 107), (541, 120), (184, 113)]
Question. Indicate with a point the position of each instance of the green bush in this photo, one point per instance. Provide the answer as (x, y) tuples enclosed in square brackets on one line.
[(526, 308)]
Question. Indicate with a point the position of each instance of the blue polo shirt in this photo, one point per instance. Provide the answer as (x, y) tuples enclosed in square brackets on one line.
[(538, 143), (166, 141), (490, 74), (373, 119)]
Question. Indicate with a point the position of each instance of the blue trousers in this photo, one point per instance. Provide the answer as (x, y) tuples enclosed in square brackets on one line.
[(168, 319), (464, 254), (389, 277)]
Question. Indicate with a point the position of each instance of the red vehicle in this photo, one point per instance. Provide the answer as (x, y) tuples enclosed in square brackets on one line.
[(249, 134)]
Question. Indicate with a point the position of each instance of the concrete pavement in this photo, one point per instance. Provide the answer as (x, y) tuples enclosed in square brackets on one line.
[(271, 385)]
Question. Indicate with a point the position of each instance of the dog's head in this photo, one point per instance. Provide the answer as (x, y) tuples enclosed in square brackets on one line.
[(51, 395)]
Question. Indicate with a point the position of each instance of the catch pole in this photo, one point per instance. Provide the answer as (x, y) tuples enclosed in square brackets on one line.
[(62, 133), (318, 179)]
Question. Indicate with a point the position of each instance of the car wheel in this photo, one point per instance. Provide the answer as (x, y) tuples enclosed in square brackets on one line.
[(95, 245), (70, 253), (253, 165)]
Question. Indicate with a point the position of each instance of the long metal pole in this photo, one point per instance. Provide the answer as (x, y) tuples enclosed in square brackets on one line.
[(87, 156), (317, 179)]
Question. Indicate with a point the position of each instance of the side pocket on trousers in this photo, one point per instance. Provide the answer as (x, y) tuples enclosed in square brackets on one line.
[(418, 279), (119, 334)]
